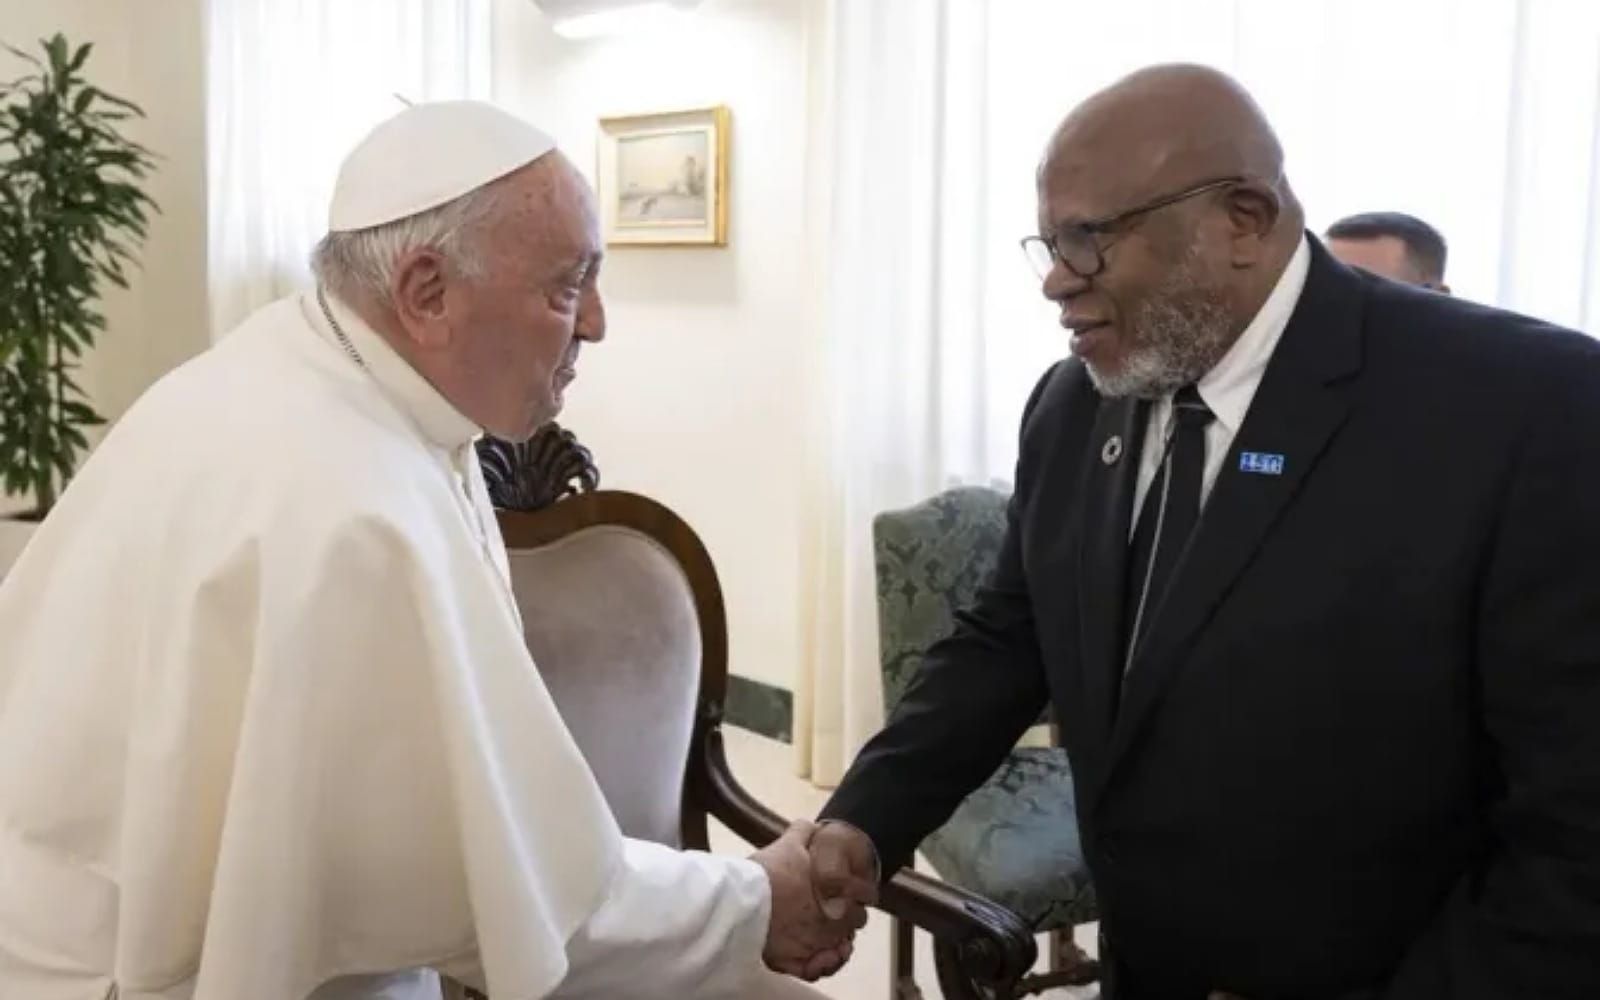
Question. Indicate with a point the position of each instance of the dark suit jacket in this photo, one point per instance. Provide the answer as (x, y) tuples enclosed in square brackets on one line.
[(1360, 748)]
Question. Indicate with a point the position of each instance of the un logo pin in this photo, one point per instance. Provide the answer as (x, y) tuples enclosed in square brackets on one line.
[(1112, 450), (1261, 463)]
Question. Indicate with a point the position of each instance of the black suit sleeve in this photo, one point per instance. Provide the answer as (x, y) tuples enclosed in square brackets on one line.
[(974, 695), (1526, 923)]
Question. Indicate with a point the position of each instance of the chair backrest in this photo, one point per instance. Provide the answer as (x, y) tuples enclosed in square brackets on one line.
[(623, 616), (930, 559)]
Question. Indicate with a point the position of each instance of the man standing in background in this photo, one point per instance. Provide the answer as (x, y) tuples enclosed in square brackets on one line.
[(1392, 245)]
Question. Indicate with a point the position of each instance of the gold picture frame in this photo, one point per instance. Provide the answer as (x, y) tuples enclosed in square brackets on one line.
[(662, 179)]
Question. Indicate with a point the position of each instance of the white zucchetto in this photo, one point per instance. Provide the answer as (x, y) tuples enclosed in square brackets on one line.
[(426, 156)]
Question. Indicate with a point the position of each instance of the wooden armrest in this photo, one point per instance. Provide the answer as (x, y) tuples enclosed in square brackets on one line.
[(996, 948)]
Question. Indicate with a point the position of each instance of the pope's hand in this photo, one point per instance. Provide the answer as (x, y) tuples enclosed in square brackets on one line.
[(801, 940), (844, 869)]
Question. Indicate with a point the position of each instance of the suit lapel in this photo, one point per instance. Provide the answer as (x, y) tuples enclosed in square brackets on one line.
[(1302, 401), (1107, 489)]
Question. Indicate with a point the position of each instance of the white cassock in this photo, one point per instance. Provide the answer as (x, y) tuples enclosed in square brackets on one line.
[(268, 728)]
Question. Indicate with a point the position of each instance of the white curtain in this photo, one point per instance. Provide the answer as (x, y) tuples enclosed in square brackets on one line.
[(292, 85), (903, 375), (1480, 116)]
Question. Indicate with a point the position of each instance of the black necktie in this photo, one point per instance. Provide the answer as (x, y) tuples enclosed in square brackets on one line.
[(1171, 508)]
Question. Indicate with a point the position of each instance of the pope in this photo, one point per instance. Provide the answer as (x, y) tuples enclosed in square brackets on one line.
[(268, 727)]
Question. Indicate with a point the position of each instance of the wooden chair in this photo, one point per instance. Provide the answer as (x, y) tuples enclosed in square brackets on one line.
[(625, 618)]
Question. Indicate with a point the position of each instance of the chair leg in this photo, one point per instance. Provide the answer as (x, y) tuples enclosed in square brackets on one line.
[(955, 983), (1069, 966), (903, 961), (1071, 963)]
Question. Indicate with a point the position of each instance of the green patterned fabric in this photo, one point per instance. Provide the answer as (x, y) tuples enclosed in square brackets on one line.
[(1014, 840)]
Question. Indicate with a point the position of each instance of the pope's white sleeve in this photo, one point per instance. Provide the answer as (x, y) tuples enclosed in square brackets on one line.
[(674, 924)]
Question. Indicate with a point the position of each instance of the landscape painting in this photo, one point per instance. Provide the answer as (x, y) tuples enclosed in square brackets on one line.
[(663, 178)]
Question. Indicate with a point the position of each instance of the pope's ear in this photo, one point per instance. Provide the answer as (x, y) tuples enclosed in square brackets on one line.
[(417, 290)]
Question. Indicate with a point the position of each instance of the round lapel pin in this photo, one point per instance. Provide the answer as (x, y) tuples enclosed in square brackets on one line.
[(1112, 450)]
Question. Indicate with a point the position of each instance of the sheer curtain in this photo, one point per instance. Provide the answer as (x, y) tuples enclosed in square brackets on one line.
[(902, 199), (292, 85), (1481, 116)]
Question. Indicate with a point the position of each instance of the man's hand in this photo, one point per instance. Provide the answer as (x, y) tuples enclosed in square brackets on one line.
[(844, 870), (801, 940)]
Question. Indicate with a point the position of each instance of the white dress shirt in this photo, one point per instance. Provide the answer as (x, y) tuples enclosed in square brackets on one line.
[(1229, 386)]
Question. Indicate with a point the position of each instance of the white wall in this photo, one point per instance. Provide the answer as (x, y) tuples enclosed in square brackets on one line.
[(167, 58), (697, 396), (151, 54)]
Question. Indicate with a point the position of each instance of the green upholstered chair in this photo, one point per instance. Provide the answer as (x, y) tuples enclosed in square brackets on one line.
[(1015, 839)]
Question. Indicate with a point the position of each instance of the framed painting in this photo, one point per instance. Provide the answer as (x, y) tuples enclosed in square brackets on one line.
[(663, 178)]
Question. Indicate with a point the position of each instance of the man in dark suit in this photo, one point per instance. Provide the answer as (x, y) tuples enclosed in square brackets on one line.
[(1308, 564)]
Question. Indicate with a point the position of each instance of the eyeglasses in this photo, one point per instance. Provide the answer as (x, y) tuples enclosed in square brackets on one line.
[(1075, 244)]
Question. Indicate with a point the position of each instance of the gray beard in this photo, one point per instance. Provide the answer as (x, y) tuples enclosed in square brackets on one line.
[(1179, 333)]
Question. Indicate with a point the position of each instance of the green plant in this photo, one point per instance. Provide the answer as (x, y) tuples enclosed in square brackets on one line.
[(71, 214)]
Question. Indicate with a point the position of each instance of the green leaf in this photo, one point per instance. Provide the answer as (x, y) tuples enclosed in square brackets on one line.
[(79, 412), (124, 104), (80, 56), (10, 85), (28, 56), (57, 48)]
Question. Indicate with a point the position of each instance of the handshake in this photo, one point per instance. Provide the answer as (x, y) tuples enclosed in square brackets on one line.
[(823, 878)]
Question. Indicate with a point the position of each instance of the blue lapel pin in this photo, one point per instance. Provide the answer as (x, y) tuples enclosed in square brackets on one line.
[(1261, 463)]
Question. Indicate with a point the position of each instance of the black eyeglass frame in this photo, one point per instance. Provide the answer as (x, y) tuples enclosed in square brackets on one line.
[(1085, 232)]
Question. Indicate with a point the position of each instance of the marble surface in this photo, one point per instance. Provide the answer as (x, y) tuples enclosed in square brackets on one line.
[(761, 708)]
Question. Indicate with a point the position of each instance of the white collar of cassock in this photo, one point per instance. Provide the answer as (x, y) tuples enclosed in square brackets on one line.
[(434, 415)]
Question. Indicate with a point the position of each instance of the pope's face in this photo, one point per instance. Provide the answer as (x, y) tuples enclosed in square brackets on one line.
[(521, 324)]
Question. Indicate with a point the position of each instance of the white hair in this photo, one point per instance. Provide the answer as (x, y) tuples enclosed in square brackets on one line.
[(361, 262)]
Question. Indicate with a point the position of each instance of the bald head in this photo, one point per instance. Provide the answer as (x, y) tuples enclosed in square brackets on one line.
[(1167, 192), (1166, 127)]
